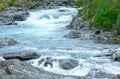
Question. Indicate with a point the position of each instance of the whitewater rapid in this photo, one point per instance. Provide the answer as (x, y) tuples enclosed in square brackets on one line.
[(44, 32)]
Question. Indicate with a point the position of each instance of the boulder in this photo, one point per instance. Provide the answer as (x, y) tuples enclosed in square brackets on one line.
[(7, 41), (105, 36), (15, 69), (12, 14), (99, 74), (116, 55), (76, 24), (45, 16), (68, 64), (73, 34), (63, 2), (5, 20), (17, 15), (24, 55)]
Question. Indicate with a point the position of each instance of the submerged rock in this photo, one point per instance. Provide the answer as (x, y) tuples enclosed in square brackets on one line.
[(68, 64), (24, 55), (73, 34), (45, 16), (7, 41)]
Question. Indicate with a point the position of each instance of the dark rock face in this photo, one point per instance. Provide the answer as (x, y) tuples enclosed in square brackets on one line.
[(25, 55), (12, 14), (98, 74), (15, 69), (76, 24), (6, 20), (7, 42), (63, 2), (73, 34), (106, 36), (68, 64)]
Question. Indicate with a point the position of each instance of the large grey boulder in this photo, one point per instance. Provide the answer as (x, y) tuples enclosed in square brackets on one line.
[(73, 34), (68, 64), (99, 74), (105, 36), (12, 14), (24, 55), (16, 14), (76, 24), (5, 20), (15, 69), (7, 41)]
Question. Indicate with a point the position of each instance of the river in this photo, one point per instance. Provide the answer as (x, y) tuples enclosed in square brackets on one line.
[(44, 31)]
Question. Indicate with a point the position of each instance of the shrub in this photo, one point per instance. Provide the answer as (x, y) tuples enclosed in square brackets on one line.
[(105, 18), (2, 6), (117, 26)]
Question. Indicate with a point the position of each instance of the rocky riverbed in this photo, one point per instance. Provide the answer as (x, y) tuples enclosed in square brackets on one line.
[(36, 45)]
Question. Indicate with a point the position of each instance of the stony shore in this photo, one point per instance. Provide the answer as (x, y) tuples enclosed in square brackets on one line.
[(13, 65)]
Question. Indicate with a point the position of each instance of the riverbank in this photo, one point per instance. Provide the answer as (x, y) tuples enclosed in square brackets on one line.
[(42, 38)]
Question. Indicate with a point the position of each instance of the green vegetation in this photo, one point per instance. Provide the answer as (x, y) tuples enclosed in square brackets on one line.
[(24, 3), (1, 6), (105, 13)]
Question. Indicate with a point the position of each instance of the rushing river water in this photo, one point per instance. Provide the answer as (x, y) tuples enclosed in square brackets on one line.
[(43, 32)]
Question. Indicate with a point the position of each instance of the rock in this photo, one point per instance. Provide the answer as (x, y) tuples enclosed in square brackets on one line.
[(73, 34), (116, 55), (76, 24), (24, 55), (12, 14), (63, 2), (45, 16), (88, 24), (16, 15), (105, 36), (98, 74), (15, 69), (63, 10), (5, 20), (68, 64), (47, 61), (97, 31), (7, 41)]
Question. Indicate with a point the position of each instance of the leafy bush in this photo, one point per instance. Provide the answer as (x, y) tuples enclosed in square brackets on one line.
[(117, 27), (2, 6), (105, 18), (25, 4), (103, 12)]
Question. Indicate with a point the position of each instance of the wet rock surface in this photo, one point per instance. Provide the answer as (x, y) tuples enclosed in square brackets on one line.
[(98, 74), (5, 20), (7, 42), (12, 14), (15, 69), (68, 64), (73, 34), (88, 31), (24, 55)]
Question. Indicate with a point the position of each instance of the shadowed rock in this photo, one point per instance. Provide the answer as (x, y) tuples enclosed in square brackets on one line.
[(98, 74), (15, 69), (68, 64), (25, 55), (7, 41), (73, 34)]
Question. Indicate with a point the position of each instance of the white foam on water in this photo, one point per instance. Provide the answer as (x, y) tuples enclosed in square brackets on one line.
[(1, 58)]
